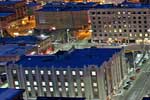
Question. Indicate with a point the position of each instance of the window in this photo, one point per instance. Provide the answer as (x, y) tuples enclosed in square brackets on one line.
[(14, 71), (33, 71), (66, 83), (95, 84), (64, 72), (75, 84), (49, 72), (67, 89), (51, 89), (16, 83), (81, 73), (17, 87), (26, 72), (73, 72), (82, 84), (43, 83), (57, 72), (29, 88), (28, 83), (34, 83), (50, 83), (60, 89), (42, 72), (44, 89), (82, 89), (93, 73), (76, 90), (36, 88), (59, 83)]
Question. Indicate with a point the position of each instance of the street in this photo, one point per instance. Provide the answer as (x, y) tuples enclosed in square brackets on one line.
[(139, 88)]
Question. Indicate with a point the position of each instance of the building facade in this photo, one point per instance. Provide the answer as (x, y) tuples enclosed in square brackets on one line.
[(94, 74), (12, 13), (123, 23), (145, 1), (62, 16)]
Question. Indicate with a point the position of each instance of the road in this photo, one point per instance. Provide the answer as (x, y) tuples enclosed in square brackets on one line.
[(140, 86)]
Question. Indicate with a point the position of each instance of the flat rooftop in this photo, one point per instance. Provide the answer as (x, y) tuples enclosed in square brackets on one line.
[(13, 50), (21, 39), (10, 2), (5, 14), (9, 93), (74, 58), (72, 6)]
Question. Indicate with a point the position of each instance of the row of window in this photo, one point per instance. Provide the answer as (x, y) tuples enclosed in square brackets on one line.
[(119, 26), (57, 72), (120, 31), (119, 12), (146, 35)]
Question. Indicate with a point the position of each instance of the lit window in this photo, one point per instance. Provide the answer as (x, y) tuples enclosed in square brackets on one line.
[(95, 89), (44, 89), (60, 89), (42, 72), (14, 71), (50, 83), (59, 83), (33, 71), (130, 35), (35, 88), (67, 89), (124, 12), (16, 83), (93, 73), (81, 73), (26, 72), (120, 30), (43, 83), (34, 83), (115, 30), (64, 72), (28, 83), (119, 13), (29, 88), (17, 87), (75, 84), (51, 89), (95, 84), (140, 35), (82, 89), (73, 72), (57, 72), (76, 90), (82, 84), (66, 83), (146, 35), (49, 72)]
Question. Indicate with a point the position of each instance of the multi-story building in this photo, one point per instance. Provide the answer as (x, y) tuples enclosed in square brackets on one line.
[(42, 44), (92, 73), (12, 13), (11, 94), (14, 52), (145, 1), (123, 23), (62, 16)]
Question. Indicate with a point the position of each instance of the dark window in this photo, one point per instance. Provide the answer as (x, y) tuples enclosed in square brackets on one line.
[(100, 34), (140, 30), (93, 13), (106, 35), (93, 18), (134, 30), (98, 12), (139, 17), (139, 22), (125, 30)]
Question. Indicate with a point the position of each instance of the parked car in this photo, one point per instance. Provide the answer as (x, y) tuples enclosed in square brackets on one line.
[(132, 77)]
